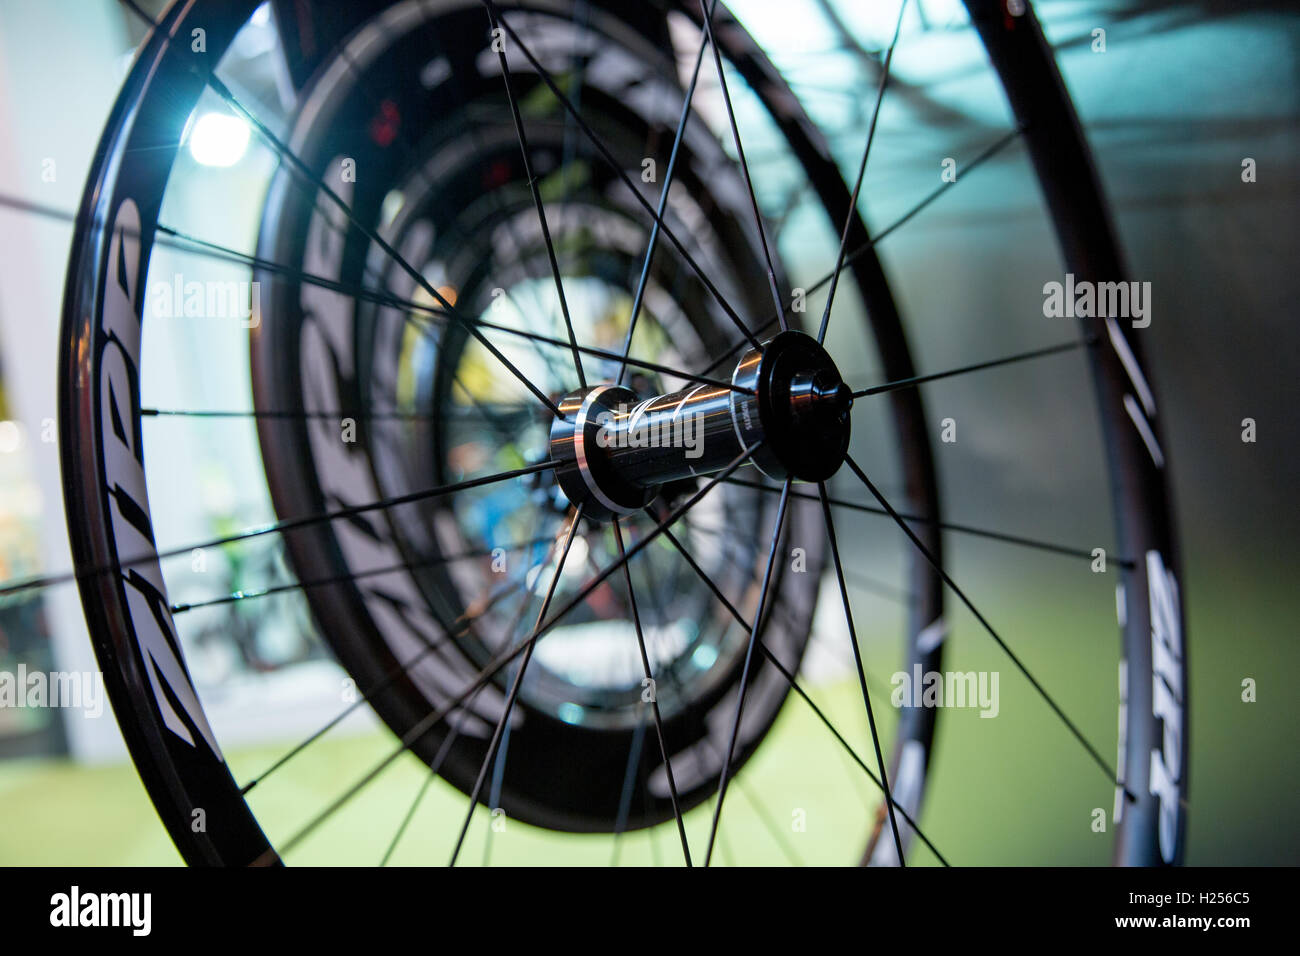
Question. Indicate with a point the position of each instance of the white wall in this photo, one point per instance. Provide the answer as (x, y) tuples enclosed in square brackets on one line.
[(53, 100)]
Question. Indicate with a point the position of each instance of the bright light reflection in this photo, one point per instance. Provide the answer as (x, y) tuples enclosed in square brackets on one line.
[(218, 139)]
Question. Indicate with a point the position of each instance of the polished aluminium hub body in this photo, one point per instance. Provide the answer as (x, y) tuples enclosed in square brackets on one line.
[(617, 450)]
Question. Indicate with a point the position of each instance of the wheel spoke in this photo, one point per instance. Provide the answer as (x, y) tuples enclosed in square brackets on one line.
[(945, 525), (513, 694), (410, 150), (857, 660), (287, 524), (1092, 751), (986, 154), (289, 414), (826, 722), (706, 14), (419, 796), (977, 367), (622, 174), (305, 174), (794, 685), (639, 295), (763, 814), (424, 314), (862, 171), (487, 673), (744, 673), (630, 779), (434, 766), (654, 697), (244, 595), (454, 726), (551, 365), (537, 202), (466, 621)]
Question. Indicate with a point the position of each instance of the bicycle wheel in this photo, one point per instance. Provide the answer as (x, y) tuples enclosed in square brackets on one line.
[(429, 253)]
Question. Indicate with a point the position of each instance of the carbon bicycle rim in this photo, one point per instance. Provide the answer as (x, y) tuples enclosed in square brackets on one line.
[(796, 393)]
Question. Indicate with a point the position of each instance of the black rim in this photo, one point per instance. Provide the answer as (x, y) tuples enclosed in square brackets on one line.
[(127, 611), (1152, 800)]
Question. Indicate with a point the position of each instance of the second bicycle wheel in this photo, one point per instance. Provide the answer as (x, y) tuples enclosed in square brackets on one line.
[(487, 227)]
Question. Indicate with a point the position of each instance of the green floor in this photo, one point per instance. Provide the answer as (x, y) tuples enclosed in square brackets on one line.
[(80, 815), (1015, 789)]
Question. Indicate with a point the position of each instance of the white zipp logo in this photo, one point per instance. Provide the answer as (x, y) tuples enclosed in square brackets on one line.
[(142, 581), (74, 908), (1166, 699)]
